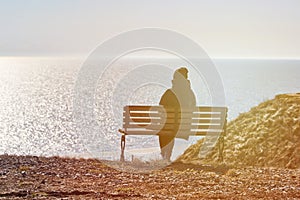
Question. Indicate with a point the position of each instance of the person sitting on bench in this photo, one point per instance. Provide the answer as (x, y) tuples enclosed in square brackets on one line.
[(180, 96)]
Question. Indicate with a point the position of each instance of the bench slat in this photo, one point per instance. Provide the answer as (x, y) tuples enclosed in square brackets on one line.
[(145, 132), (211, 109), (145, 120), (171, 126), (172, 115), (161, 108), (191, 133), (144, 108), (171, 121), (144, 114)]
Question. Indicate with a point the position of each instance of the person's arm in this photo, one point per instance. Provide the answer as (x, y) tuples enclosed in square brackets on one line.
[(164, 99)]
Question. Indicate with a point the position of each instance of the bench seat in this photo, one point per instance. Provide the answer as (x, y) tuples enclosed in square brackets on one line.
[(155, 120)]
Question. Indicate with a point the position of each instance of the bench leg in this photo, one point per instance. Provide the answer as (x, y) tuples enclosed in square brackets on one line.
[(221, 148), (122, 159)]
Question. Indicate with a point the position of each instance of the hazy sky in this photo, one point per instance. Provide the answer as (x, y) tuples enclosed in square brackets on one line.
[(224, 28)]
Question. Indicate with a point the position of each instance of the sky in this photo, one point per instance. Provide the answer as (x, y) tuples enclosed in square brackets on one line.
[(226, 29)]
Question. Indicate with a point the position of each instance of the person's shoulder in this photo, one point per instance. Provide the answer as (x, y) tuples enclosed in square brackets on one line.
[(168, 91)]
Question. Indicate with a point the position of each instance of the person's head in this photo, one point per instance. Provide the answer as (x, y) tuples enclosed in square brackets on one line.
[(181, 73)]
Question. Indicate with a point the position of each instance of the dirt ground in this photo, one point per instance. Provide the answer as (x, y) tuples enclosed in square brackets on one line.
[(29, 177)]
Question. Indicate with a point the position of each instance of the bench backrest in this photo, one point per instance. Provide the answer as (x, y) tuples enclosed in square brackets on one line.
[(152, 120)]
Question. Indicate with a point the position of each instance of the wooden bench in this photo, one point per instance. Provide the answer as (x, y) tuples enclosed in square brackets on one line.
[(154, 120)]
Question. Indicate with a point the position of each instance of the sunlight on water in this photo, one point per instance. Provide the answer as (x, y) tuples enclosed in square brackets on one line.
[(36, 99), (36, 107)]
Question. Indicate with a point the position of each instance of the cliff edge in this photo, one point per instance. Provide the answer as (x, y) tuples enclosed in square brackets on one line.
[(267, 136)]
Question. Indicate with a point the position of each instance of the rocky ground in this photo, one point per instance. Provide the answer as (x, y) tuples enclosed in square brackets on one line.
[(29, 177)]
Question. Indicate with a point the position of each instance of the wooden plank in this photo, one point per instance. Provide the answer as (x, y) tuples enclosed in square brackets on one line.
[(146, 120), (161, 108), (144, 108), (147, 132), (143, 114), (192, 121), (171, 121), (154, 123), (152, 126), (207, 115), (151, 132), (211, 109), (200, 127), (183, 119), (172, 115), (141, 132), (205, 121), (195, 119)]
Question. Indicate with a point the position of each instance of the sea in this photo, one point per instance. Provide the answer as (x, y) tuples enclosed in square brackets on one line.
[(38, 95)]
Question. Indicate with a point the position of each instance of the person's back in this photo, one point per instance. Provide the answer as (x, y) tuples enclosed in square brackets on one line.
[(180, 96)]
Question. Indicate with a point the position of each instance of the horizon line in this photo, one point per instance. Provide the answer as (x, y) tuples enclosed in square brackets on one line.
[(158, 57)]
